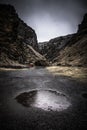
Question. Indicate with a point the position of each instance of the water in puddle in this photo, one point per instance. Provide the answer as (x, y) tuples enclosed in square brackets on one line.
[(47, 100)]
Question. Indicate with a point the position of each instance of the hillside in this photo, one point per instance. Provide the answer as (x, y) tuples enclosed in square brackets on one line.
[(18, 42), (51, 48), (75, 53), (71, 51)]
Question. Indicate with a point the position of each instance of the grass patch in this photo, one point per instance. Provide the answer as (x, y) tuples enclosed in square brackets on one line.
[(78, 73)]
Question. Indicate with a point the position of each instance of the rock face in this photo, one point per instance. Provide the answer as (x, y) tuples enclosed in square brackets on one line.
[(51, 48), (74, 48), (75, 53), (82, 29), (18, 42)]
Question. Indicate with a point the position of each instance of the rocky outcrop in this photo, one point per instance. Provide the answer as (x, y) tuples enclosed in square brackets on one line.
[(18, 42), (75, 53), (51, 48), (82, 29), (74, 48)]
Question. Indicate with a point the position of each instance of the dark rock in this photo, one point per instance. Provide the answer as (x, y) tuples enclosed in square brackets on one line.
[(51, 48), (18, 42), (75, 53), (13, 29), (41, 63), (83, 26), (71, 50)]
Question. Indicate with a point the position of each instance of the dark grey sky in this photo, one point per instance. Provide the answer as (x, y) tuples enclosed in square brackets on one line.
[(50, 18)]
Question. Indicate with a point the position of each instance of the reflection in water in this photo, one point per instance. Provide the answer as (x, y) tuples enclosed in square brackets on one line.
[(45, 99)]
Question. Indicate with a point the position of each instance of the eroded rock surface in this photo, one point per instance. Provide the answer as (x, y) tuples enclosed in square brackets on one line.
[(18, 42), (68, 50)]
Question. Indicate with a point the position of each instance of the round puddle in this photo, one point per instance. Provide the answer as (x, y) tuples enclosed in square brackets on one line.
[(47, 100)]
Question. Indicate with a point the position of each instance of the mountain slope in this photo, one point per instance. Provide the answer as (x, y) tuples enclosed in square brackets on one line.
[(51, 48), (75, 53), (16, 39), (71, 50)]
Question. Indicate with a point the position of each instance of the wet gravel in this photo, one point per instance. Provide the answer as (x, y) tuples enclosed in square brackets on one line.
[(15, 115)]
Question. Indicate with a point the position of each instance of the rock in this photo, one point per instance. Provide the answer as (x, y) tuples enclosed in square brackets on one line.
[(82, 28), (51, 48), (42, 63), (73, 51), (18, 42)]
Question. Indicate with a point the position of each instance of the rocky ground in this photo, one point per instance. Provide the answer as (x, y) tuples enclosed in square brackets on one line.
[(38, 99)]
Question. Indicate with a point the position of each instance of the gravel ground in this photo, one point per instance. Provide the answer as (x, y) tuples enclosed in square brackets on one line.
[(15, 116)]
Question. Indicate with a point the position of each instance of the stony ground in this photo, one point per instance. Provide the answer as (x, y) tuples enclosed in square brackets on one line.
[(14, 116)]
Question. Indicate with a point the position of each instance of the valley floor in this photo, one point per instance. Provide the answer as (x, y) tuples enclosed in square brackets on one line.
[(70, 82), (77, 73)]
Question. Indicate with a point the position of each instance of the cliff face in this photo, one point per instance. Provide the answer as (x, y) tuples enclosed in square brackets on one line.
[(18, 42), (51, 48), (74, 48), (75, 53), (82, 29)]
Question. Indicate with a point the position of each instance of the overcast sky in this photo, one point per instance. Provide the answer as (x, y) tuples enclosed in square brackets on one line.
[(50, 18)]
